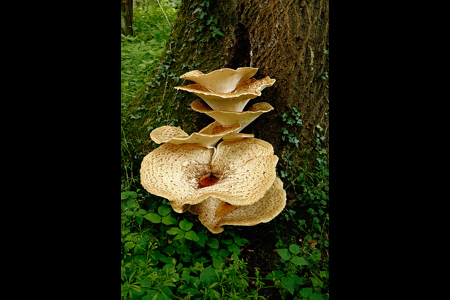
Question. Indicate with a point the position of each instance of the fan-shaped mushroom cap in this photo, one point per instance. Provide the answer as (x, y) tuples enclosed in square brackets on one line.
[(170, 171), (236, 152), (230, 117), (213, 212), (222, 80), (234, 101), (208, 136), (245, 169), (166, 133)]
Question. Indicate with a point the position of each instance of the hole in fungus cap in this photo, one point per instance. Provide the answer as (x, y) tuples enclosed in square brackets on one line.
[(208, 180)]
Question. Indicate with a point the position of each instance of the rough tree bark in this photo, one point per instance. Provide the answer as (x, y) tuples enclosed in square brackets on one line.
[(285, 39), (126, 14)]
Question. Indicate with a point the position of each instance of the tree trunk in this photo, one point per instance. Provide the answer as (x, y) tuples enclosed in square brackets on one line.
[(285, 39), (126, 14)]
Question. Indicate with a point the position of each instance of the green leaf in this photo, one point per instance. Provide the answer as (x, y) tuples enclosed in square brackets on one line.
[(323, 274), (169, 220), (213, 252), (227, 241), (224, 252), (167, 260), (284, 253), (306, 292), (202, 239), (288, 283), (218, 262), (202, 259), (299, 261), (317, 282), (169, 250), (154, 218), (164, 210), (297, 279), (316, 297), (198, 9), (240, 241), (150, 295), (145, 283), (295, 249), (191, 235), (234, 249), (174, 230), (213, 243), (129, 195), (128, 246), (275, 274), (208, 276), (188, 291), (186, 277), (179, 236), (186, 225)]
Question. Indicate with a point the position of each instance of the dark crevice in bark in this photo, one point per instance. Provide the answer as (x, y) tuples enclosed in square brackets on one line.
[(240, 52)]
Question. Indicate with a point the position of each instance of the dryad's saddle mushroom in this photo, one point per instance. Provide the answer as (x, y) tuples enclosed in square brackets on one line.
[(243, 170), (214, 212), (232, 96), (220, 81), (228, 118), (208, 136), (230, 183)]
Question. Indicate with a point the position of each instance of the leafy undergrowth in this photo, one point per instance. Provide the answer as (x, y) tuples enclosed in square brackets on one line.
[(140, 54), (165, 255)]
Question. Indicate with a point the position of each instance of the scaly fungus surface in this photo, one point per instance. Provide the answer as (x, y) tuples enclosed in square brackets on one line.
[(222, 80), (241, 171), (233, 101), (228, 118), (213, 212)]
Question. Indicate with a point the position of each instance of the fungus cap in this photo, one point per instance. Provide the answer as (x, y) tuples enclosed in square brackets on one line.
[(234, 101), (213, 212), (227, 118), (222, 80), (165, 171), (245, 169), (208, 136), (165, 133)]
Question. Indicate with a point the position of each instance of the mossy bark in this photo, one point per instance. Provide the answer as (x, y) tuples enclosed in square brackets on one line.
[(126, 17), (285, 39)]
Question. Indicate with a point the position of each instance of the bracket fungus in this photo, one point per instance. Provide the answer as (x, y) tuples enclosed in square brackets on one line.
[(222, 80), (213, 212), (244, 91), (230, 183), (208, 136), (242, 169), (228, 118)]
